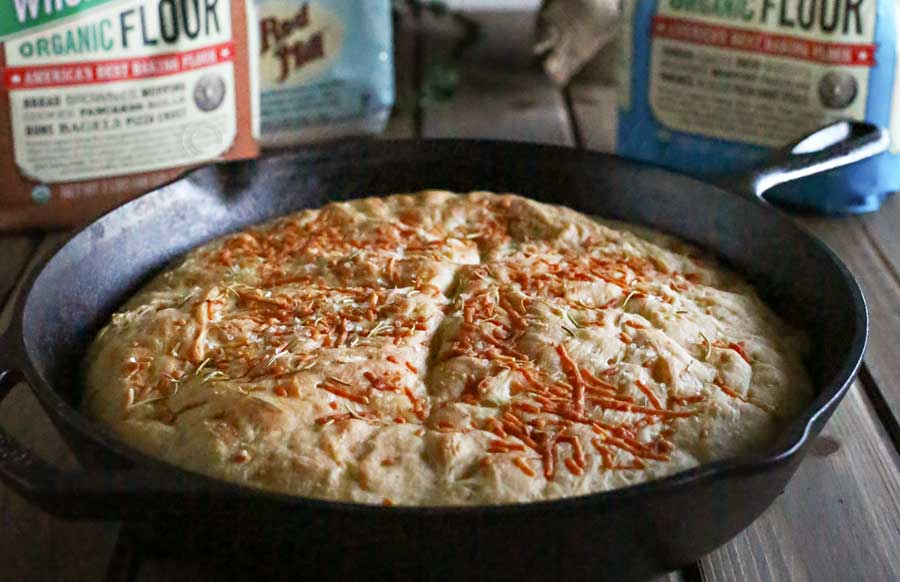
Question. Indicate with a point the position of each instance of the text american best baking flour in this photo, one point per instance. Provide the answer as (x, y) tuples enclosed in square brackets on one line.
[(760, 72)]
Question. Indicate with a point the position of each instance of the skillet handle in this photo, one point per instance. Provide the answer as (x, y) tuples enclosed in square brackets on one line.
[(21, 469), (833, 146), (96, 493)]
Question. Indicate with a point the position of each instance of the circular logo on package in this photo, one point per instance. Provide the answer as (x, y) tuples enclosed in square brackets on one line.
[(209, 92), (202, 139), (40, 194), (837, 90)]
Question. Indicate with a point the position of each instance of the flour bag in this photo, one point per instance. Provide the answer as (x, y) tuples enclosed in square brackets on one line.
[(102, 100), (709, 87), (325, 68)]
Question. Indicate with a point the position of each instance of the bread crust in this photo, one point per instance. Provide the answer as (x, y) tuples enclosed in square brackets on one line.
[(435, 348)]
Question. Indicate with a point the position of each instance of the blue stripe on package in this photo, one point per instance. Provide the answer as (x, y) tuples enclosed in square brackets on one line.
[(325, 68), (709, 87)]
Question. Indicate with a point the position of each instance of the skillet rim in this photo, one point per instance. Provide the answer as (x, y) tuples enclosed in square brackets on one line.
[(789, 444)]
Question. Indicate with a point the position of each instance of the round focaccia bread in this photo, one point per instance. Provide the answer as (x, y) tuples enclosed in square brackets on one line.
[(436, 348)]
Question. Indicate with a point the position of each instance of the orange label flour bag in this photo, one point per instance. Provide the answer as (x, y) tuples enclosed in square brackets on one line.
[(102, 100)]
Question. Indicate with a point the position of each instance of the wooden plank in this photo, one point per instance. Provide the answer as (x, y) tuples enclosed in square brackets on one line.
[(15, 249), (20, 253), (838, 519), (403, 118), (33, 545), (850, 240), (883, 231), (878, 269), (594, 107), (884, 235), (502, 94)]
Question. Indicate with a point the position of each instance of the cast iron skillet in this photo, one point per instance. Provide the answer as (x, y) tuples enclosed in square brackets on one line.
[(626, 534)]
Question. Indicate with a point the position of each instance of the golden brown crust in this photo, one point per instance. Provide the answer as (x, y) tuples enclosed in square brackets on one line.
[(444, 349)]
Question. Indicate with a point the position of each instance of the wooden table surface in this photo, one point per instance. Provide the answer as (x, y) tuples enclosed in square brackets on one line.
[(838, 519)]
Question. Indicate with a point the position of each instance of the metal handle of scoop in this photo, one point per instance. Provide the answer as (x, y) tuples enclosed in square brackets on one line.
[(833, 146)]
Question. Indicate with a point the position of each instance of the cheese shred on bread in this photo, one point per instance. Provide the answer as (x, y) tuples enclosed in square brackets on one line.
[(435, 349)]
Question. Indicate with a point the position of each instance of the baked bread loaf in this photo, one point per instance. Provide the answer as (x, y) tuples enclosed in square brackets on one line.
[(435, 349)]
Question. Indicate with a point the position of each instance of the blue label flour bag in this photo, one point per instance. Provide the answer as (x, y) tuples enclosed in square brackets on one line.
[(325, 68), (708, 87)]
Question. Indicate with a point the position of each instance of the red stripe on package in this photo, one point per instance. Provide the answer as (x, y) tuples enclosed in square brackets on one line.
[(793, 47), (116, 70)]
